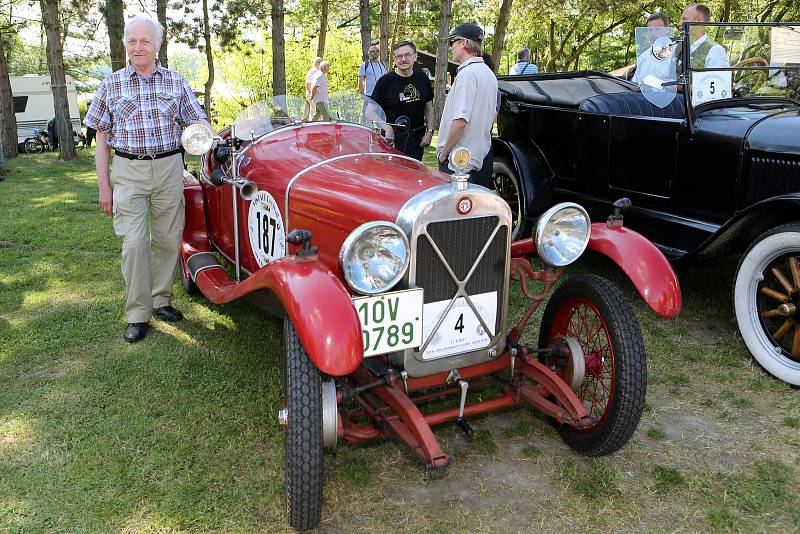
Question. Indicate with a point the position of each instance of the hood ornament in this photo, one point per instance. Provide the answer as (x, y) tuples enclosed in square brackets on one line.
[(460, 158)]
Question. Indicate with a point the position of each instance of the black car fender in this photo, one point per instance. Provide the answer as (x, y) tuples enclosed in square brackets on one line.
[(736, 234), (533, 170)]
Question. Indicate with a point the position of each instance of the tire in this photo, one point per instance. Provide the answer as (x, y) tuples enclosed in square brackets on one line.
[(189, 287), (303, 439), (773, 339), (505, 183), (33, 146), (592, 311)]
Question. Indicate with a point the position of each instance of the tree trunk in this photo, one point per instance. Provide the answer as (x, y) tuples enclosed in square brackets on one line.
[(209, 60), (278, 52), (58, 80), (161, 14), (114, 15), (500, 33), (366, 28), (323, 29), (401, 8), (551, 45), (384, 36), (440, 88), (8, 135)]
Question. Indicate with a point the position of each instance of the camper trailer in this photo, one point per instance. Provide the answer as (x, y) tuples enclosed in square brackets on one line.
[(33, 104)]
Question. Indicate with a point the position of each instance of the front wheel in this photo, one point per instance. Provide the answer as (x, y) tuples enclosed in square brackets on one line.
[(591, 311), (506, 184), (33, 146), (303, 437), (766, 301)]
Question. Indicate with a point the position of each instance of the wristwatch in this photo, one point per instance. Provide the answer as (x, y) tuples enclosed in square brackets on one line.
[(428, 131)]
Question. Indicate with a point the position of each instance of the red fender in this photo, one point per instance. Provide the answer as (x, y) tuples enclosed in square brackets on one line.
[(644, 264), (314, 299)]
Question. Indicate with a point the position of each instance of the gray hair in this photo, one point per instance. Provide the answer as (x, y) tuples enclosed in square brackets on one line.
[(524, 54), (158, 29)]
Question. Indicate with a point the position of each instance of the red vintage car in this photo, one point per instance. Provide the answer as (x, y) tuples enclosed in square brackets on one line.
[(393, 281)]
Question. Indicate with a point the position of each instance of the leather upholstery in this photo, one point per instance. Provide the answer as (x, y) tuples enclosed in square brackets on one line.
[(633, 105)]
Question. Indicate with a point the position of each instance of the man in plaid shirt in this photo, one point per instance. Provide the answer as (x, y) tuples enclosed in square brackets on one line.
[(139, 111)]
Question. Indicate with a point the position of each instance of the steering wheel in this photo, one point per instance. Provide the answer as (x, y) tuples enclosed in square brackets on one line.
[(761, 76)]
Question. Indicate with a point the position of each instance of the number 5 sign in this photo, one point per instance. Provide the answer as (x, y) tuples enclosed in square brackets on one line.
[(707, 86), (265, 225)]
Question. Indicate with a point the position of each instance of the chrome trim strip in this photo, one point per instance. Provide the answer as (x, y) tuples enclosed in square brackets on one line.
[(330, 160), (203, 268)]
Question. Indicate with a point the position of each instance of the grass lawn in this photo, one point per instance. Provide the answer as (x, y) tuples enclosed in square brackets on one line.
[(179, 432)]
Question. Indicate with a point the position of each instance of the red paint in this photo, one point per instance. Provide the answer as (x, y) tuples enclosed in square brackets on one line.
[(644, 264)]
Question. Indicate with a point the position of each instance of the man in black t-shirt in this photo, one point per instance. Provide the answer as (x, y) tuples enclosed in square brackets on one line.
[(407, 98)]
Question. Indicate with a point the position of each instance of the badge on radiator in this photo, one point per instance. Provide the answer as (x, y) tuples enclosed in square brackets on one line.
[(464, 205)]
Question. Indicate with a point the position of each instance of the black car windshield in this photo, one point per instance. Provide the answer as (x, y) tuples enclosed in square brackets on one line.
[(741, 60)]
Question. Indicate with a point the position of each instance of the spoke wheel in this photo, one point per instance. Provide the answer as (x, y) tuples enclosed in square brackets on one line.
[(33, 146), (506, 184), (303, 437), (766, 300), (591, 310)]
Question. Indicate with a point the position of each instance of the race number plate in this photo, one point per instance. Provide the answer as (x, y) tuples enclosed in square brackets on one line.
[(390, 322), (460, 330)]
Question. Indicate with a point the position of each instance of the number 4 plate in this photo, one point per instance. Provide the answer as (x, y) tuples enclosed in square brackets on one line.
[(391, 321)]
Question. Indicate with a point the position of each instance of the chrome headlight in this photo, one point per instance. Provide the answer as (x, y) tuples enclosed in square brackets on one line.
[(374, 257), (197, 139), (562, 234)]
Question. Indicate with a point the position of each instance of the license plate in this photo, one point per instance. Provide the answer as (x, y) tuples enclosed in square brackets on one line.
[(390, 322), (460, 331)]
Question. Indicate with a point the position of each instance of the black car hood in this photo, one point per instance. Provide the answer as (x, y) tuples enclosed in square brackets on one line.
[(778, 133)]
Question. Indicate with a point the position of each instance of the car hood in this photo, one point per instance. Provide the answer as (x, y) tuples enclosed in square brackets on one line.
[(777, 133)]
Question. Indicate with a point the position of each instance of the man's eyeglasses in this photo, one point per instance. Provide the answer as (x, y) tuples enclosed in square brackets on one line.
[(403, 56), (454, 40)]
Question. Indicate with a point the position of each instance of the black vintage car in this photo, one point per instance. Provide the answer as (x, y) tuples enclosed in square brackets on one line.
[(709, 157)]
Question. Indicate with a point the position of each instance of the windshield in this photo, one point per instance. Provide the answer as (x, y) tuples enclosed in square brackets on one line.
[(655, 64), (287, 110), (743, 61)]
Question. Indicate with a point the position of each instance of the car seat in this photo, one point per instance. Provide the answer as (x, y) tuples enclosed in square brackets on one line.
[(633, 104)]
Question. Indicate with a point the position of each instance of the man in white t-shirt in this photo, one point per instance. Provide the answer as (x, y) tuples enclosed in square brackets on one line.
[(470, 107), (370, 71), (310, 75), (319, 93)]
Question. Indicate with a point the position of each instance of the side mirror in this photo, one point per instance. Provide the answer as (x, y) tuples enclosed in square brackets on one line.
[(663, 48)]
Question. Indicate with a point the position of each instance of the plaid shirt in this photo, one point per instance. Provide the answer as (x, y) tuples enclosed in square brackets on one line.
[(144, 115)]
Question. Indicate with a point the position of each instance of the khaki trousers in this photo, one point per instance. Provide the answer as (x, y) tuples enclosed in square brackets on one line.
[(149, 259)]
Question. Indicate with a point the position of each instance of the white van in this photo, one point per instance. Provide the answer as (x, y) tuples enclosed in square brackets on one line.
[(33, 104)]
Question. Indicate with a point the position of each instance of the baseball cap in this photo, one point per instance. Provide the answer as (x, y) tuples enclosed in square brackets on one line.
[(468, 31)]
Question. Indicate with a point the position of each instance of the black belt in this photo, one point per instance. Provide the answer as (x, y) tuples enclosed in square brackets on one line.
[(148, 156)]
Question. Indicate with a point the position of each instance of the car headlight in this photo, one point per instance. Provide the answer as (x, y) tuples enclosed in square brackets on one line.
[(562, 234), (197, 139), (374, 257)]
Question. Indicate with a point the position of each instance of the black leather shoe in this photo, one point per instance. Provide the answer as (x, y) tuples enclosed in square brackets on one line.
[(169, 314), (135, 332)]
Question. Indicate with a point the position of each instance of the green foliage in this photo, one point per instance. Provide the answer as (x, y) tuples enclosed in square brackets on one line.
[(595, 481), (656, 433), (667, 478)]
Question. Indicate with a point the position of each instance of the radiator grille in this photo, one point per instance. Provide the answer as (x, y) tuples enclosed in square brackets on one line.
[(461, 242), (771, 176)]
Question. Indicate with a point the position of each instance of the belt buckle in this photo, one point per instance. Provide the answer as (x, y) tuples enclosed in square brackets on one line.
[(143, 156)]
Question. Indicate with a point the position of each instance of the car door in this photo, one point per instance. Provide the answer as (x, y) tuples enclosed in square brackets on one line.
[(643, 155)]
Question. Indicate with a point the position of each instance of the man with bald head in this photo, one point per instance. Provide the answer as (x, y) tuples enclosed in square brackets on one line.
[(139, 112)]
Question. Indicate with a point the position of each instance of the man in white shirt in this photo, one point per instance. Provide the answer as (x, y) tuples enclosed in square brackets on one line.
[(646, 63), (470, 107), (319, 93), (524, 65), (704, 52), (310, 76), (370, 71)]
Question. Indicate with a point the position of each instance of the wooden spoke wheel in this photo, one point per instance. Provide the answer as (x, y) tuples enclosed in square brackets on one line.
[(767, 299)]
